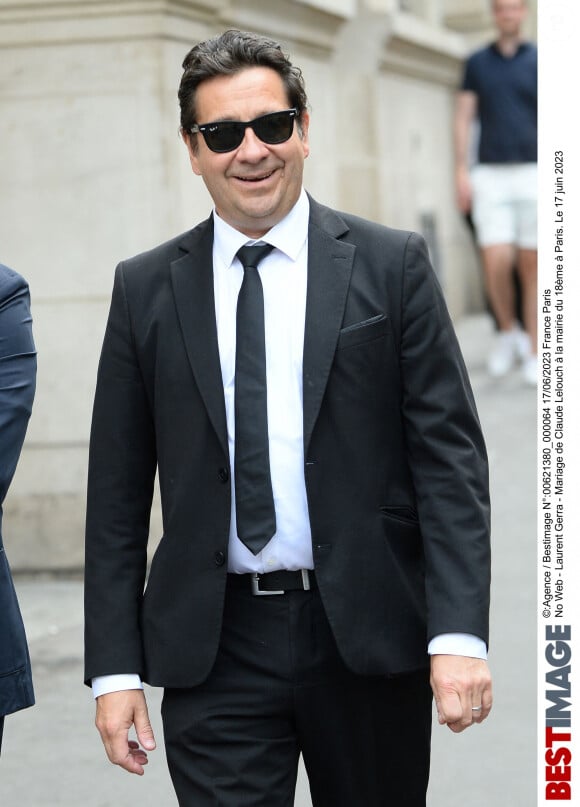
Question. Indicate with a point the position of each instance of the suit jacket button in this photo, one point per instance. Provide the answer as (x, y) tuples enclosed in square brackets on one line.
[(219, 558), (224, 475)]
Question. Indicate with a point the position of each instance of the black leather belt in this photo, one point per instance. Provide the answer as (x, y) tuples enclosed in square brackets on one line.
[(275, 582)]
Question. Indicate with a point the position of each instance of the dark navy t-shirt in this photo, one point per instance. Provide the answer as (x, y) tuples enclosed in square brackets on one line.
[(507, 95)]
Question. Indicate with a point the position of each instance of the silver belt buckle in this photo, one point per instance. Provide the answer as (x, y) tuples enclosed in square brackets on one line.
[(256, 590)]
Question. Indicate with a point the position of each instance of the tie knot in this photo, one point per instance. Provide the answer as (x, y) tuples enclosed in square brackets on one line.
[(251, 256)]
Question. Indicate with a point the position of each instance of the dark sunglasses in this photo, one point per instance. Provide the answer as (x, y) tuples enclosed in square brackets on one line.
[(227, 135)]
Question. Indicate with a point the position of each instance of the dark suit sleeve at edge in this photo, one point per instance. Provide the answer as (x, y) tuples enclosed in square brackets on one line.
[(17, 387), (17, 373), (447, 455)]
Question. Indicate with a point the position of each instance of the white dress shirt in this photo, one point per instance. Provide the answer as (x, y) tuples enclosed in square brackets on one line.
[(284, 276)]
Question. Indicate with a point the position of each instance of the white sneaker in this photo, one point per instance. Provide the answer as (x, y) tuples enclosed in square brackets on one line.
[(530, 370), (504, 353), (523, 344)]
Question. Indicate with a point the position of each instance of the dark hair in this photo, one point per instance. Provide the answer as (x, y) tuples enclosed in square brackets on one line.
[(229, 53)]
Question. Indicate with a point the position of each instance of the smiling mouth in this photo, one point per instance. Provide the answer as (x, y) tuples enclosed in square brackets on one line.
[(256, 179)]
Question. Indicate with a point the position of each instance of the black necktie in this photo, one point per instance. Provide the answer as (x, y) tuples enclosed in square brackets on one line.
[(255, 515)]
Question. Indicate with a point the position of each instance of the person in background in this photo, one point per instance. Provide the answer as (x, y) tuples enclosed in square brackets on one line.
[(293, 375), (17, 387), (500, 89)]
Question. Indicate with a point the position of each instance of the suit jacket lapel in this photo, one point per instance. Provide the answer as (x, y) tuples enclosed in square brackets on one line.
[(329, 269), (192, 277)]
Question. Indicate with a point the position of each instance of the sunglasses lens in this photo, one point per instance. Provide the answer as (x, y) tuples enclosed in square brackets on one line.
[(223, 137), (274, 128)]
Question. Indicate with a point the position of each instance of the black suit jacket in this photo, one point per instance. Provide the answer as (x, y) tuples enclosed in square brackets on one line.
[(395, 464), (17, 385)]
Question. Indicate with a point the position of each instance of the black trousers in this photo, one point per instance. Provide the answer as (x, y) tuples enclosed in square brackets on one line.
[(279, 688)]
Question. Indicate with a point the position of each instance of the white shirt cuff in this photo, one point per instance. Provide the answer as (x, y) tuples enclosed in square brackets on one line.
[(457, 644), (449, 644), (103, 684)]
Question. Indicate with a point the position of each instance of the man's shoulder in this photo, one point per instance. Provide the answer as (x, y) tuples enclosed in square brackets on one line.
[(10, 283), (482, 55), (529, 50)]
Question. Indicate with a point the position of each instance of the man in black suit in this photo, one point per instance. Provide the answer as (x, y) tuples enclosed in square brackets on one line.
[(326, 523), (17, 386)]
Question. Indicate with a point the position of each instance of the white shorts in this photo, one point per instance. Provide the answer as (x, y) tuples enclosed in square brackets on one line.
[(505, 199)]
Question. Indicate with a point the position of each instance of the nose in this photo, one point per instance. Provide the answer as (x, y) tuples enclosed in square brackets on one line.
[(252, 148)]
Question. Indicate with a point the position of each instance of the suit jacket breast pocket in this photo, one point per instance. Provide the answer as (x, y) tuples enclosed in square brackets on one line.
[(365, 331)]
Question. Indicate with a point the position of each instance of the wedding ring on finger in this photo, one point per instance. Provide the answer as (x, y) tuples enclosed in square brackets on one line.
[(476, 708)]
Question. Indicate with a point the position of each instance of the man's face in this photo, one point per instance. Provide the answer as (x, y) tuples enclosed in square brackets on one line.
[(255, 185), (509, 16)]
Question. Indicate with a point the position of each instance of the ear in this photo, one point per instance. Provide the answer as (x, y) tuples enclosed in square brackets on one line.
[(192, 149), (303, 131)]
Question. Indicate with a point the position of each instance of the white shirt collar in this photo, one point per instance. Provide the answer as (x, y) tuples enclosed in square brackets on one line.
[(288, 235)]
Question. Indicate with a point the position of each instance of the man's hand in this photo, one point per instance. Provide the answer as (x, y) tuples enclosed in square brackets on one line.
[(116, 713), (463, 192), (460, 685)]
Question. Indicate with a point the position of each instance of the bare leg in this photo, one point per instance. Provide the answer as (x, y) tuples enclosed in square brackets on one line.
[(528, 273), (498, 261)]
